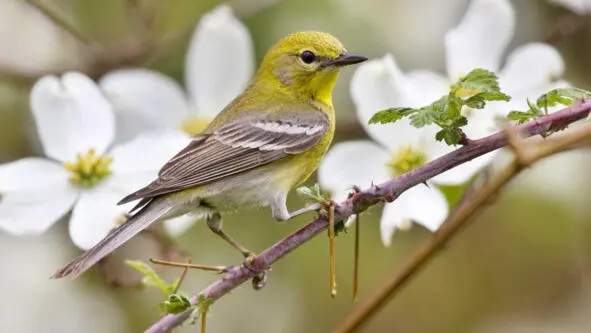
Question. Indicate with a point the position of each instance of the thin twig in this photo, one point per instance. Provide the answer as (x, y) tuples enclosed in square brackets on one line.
[(182, 277), (356, 260), (60, 21), (460, 218), (219, 269), (518, 146), (104, 58), (204, 321), (333, 282), (359, 202)]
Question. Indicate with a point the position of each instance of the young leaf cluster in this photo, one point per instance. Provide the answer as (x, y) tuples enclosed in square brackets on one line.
[(555, 97), (473, 90), (311, 194), (176, 302)]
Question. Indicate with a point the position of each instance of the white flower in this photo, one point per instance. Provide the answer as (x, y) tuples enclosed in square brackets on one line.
[(397, 149), (218, 67), (36, 44), (76, 126), (580, 7), (479, 41)]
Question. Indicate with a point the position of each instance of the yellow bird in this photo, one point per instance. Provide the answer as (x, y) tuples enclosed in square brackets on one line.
[(267, 141)]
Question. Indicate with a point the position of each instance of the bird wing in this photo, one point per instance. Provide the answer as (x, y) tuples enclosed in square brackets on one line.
[(233, 148)]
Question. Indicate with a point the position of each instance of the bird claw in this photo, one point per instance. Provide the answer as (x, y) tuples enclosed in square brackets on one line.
[(260, 276)]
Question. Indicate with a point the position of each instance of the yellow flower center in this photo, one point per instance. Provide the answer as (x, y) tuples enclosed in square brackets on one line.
[(406, 159), (194, 125), (88, 169)]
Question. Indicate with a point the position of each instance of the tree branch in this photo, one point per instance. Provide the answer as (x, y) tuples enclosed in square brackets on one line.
[(359, 202), (60, 21), (460, 218), (104, 58)]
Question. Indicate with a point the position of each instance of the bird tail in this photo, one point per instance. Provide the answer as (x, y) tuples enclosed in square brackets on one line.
[(150, 213)]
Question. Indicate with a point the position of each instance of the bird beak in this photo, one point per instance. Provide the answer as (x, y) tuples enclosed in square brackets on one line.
[(345, 59)]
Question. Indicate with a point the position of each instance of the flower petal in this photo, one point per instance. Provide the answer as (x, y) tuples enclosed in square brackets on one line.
[(421, 204), (352, 163), (34, 194), (220, 60), (71, 115), (136, 163), (427, 87), (147, 152), (96, 213), (179, 225), (481, 38), (463, 172), (552, 178), (144, 100), (378, 85), (530, 67)]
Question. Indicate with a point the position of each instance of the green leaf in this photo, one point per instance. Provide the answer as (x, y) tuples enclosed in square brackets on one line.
[(151, 278), (562, 96), (523, 116), (450, 135), (390, 115), (477, 81), (453, 108), (429, 114), (459, 122), (311, 194), (479, 100), (176, 303)]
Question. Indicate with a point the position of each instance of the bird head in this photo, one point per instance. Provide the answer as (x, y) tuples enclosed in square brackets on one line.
[(306, 64)]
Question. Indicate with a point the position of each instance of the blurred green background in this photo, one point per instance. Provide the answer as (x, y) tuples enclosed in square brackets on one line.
[(523, 266)]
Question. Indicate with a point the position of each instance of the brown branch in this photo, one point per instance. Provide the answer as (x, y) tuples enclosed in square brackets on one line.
[(104, 58), (460, 218), (360, 201), (60, 21)]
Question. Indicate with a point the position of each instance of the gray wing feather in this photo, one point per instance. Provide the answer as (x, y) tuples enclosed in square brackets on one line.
[(234, 148)]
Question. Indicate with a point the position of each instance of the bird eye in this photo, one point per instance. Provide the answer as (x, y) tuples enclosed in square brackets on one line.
[(308, 57)]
